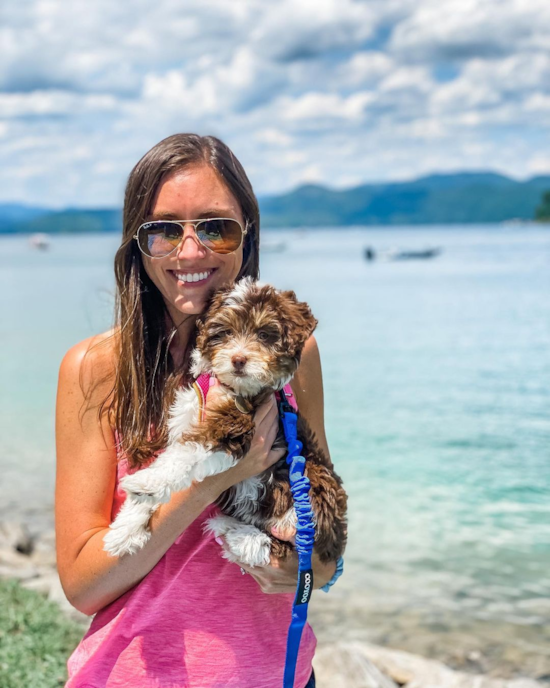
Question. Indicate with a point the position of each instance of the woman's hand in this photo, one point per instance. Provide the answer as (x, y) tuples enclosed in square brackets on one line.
[(260, 455), (282, 576)]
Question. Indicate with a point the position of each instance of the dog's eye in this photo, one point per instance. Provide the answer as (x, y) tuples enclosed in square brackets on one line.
[(218, 336), (265, 336)]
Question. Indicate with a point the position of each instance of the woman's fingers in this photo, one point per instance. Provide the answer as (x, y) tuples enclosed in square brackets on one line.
[(270, 428), (287, 534), (260, 455), (265, 411), (267, 427), (277, 576)]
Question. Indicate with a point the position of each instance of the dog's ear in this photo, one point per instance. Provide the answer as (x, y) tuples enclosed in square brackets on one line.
[(298, 322), (213, 304)]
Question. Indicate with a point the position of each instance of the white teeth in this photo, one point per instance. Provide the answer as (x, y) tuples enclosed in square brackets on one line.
[(192, 277)]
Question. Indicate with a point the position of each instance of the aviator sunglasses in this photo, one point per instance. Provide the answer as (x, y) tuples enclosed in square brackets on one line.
[(159, 238)]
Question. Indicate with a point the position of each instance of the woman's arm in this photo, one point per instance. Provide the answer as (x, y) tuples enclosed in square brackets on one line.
[(307, 385), (85, 482)]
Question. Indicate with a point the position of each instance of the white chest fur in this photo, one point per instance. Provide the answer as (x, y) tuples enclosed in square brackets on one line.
[(183, 412)]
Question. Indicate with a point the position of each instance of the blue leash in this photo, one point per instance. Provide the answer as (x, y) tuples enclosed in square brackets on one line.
[(305, 534)]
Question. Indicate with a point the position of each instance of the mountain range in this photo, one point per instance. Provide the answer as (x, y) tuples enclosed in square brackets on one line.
[(466, 197)]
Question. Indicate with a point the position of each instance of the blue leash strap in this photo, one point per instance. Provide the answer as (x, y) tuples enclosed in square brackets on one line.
[(305, 535)]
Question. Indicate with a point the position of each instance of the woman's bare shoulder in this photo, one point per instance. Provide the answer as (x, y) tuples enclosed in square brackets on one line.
[(91, 364), (98, 350)]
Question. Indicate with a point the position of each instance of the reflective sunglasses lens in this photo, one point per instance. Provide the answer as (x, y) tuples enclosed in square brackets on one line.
[(219, 235), (158, 239)]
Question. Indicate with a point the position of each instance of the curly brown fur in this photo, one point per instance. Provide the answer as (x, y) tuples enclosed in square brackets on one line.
[(251, 338), (327, 495)]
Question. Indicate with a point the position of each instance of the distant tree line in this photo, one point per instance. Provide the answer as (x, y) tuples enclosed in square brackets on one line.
[(543, 210), (458, 198)]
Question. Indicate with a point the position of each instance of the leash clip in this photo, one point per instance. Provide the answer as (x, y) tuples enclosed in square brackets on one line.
[(283, 404)]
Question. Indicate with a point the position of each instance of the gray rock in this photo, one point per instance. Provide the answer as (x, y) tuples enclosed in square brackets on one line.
[(11, 558), (47, 537), (342, 666), (16, 536), (416, 672), (42, 584), (43, 556), (20, 573)]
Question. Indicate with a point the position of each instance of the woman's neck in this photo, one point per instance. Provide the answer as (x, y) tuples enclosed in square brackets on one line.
[(185, 326)]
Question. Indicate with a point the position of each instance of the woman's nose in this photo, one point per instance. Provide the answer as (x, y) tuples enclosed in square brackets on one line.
[(190, 248)]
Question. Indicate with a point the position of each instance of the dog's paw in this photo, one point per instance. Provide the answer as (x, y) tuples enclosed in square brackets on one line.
[(243, 543), (144, 488), (130, 530), (119, 540)]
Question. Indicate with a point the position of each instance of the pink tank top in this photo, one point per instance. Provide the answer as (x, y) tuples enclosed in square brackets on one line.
[(194, 621)]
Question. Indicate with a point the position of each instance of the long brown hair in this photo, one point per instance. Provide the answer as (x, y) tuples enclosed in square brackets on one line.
[(145, 376)]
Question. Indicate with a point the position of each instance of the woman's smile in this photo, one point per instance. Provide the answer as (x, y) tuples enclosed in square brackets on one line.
[(192, 278)]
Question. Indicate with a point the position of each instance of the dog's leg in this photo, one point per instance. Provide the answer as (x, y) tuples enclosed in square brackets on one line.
[(329, 502), (174, 470), (147, 489), (245, 543), (128, 533)]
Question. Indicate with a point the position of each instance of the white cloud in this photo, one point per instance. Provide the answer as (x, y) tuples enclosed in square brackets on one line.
[(304, 28), (274, 137), (315, 107), (462, 29), (336, 91), (539, 164), (53, 102), (364, 69)]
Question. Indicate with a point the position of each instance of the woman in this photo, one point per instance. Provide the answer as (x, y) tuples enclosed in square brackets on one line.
[(175, 613)]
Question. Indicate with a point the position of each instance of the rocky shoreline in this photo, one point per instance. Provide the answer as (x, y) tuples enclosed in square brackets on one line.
[(30, 559)]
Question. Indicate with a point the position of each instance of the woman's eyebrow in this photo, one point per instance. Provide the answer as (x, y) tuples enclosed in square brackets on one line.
[(218, 212)]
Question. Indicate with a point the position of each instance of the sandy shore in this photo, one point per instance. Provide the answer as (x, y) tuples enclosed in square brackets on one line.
[(359, 645)]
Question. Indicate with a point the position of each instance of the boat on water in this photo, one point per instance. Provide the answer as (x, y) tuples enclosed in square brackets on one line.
[(402, 254), (273, 246), (422, 254), (40, 242)]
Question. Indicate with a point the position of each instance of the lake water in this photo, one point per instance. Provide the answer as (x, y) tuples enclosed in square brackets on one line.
[(437, 396)]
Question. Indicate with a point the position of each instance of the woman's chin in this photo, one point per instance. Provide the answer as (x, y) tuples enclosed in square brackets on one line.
[(193, 304)]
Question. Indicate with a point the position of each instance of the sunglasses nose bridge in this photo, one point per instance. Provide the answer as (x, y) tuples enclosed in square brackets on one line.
[(193, 233)]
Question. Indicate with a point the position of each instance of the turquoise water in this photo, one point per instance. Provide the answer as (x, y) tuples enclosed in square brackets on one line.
[(436, 377)]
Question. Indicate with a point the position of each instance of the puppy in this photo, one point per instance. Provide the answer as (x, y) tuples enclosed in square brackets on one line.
[(251, 339)]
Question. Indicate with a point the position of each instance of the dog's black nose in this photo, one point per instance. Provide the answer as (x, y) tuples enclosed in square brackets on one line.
[(238, 362)]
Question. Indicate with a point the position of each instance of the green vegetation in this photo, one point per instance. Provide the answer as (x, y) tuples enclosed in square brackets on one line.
[(35, 639), (437, 199), (462, 198), (62, 222), (543, 211)]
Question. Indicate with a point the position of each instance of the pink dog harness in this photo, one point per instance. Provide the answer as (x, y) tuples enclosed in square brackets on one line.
[(203, 382)]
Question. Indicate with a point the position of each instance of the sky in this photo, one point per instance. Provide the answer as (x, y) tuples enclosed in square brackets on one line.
[(337, 92)]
